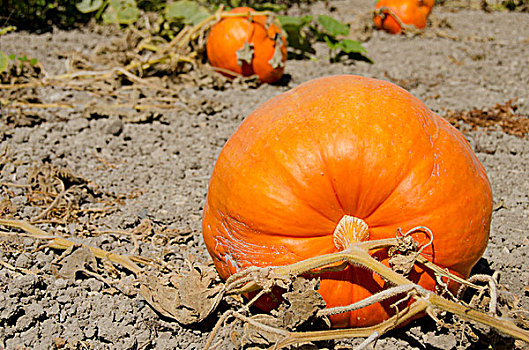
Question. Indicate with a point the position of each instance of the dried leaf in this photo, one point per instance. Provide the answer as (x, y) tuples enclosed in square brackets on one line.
[(245, 54), (402, 257), (503, 115), (304, 302), (259, 336), (74, 259), (403, 263), (174, 235), (191, 299), (301, 305), (7, 209), (144, 229), (266, 278), (277, 59), (159, 296), (60, 342)]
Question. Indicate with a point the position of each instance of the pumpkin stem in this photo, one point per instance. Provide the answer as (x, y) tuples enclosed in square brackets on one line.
[(349, 231), (349, 234)]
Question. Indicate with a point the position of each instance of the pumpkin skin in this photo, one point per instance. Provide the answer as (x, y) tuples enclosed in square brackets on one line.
[(345, 145), (411, 12), (229, 36), (426, 6)]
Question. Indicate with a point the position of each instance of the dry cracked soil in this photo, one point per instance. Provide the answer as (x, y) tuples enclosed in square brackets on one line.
[(129, 165)]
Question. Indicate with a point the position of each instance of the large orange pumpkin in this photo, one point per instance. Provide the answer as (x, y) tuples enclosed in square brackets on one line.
[(248, 45), (410, 12), (345, 145)]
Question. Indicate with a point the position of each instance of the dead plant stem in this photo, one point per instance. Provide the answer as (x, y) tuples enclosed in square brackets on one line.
[(358, 255), (363, 332), (16, 268), (62, 243), (53, 204)]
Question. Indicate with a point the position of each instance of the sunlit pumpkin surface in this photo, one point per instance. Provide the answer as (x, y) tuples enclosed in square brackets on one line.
[(345, 145)]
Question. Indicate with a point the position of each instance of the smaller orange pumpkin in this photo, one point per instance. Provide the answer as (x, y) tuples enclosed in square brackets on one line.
[(248, 45), (409, 12)]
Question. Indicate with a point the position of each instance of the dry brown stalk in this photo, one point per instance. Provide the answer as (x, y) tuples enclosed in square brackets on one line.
[(62, 243), (138, 107), (10, 184), (358, 254), (53, 204), (16, 268), (13, 104)]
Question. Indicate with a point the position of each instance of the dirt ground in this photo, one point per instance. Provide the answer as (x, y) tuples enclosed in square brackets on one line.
[(128, 165)]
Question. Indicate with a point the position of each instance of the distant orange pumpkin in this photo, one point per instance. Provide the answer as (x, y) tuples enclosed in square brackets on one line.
[(248, 45), (409, 12)]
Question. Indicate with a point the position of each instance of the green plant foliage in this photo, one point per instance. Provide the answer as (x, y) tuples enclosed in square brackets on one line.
[(269, 6), (297, 38), (22, 60), (303, 31), (7, 29), (87, 6), (189, 12), (332, 26), (4, 61), (41, 15), (121, 11), (348, 46), (115, 11)]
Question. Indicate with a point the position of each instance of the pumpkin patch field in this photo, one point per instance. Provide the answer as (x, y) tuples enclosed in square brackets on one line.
[(342, 187)]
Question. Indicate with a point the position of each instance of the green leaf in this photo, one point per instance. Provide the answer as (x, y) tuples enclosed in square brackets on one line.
[(333, 26), (190, 12), (87, 6), (287, 21), (4, 60), (269, 6), (331, 42), (121, 11), (12, 56), (33, 61), (109, 16), (296, 36), (5, 30), (350, 46)]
